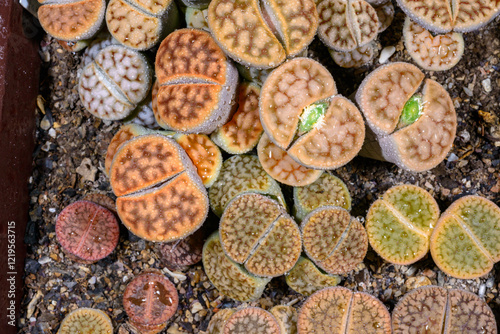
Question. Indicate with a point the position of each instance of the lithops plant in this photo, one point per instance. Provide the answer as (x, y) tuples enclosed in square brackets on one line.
[(86, 321), (433, 53), (218, 320), (150, 300), (399, 224), (385, 14), (160, 196), (251, 320), (355, 58), (228, 277), (87, 231), (102, 200), (241, 134), (333, 240), (434, 309), (256, 231), (197, 83), (306, 278), (277, 163), (197, 18), (302, 114), (139, 24), (181, 254), (338, 310), (466, 240), (239, 174), (262, 34), (286, 317), (412, 125), (71, 20), (114, 83)]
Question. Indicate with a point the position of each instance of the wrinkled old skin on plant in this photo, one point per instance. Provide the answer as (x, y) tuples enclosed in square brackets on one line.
[(252, 320), (306, 278), (86, 321), (218, 320), (286, 317)]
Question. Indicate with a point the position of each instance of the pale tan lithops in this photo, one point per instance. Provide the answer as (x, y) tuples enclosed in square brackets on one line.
[(86, 321), (434, 309), (218, 320), (466, 240), (197, 18), (433, 53), (257, 232), (340, 311), (306, 278), (385, 14), (263, 34), (355, 58), (252, 320), (412, 124), (286, 317)]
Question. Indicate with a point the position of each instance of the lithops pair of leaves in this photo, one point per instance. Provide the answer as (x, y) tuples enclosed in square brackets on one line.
[(302, 114), (86, 321), (140, 24), (114, 83), (400, 224), (412, 125), (306, 278), (150, 300), (340, 311), (197, 83), (434, 309), (466, 240), (262, 34), (160, 195), (181, 254)]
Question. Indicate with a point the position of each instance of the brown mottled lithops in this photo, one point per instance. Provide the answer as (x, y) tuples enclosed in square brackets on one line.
[(262, 34), (412, 125), (86, 321), (181, 254), (466, 240), (197, 83), (433, 309), (87, 231), (251, 320), (399, 225), (334, 240), (150, 300), (306, 278), (218, 320), (301, 114), (340, 311), (230, 278), (286, 317)]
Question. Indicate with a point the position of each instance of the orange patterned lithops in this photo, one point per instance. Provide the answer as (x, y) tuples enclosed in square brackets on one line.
[(197, 83), (160, 196), (263, 34), (301, 114), (413, 124), (434, 309), (340, 311), (466, 240)]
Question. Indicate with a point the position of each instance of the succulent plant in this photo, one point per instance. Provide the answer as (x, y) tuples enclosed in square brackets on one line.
[(339, 310), (399, 224), (178, 255), (326, 190), (466, 240), (150, 300), (86, 321), (298, 100), (239, 174), (101, 41), (306, 278), (228, 277), (241, 134), (433, 309), (412, 128), (286, 317), (140, 24), (197, 83), (385, 14), (87, 231), (272, 31), (197, 18), (334, 240), (256, 231), (160, 196), (252, 320), (218, 320), (433, 53), (102, 200), (71, 21), (355, 58), (114, 83)]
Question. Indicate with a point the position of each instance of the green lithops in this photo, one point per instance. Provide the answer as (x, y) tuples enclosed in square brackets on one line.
[(433, 309), (466, 240), (334, 240), (326, 190), (400, 224), (239, 174), (286, 317), (306, 278), (256, 231), (230, 278)]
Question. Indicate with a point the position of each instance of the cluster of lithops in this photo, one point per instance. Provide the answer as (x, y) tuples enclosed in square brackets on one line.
[(114, 83), (412, 124), (400, 224), (306, 278), (86, 321), (466, 240)]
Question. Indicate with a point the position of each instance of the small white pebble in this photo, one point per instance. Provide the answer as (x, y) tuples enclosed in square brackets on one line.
[(32, 319), (92, 280), (468, 91), (452, 157), (490, 282), (482, 290), (44, 260), (196, 307), (465, 135), (386, 53), (486, 85), (52, 133), (45, 124), (52, 210)]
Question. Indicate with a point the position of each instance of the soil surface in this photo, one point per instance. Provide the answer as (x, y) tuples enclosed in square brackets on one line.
[(68, 164)]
